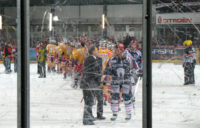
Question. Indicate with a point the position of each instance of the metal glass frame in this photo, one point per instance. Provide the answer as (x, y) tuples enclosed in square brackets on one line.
[(147, 64), (23, 75)]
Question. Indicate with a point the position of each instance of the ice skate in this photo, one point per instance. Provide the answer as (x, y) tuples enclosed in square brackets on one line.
[(114, 117), (128, 117), (105, 103)]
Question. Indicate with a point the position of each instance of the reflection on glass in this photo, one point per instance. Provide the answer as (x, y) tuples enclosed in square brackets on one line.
[(175, 63), (72, 83)]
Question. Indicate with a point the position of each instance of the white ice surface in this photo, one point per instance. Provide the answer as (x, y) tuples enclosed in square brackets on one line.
[(54, 104)]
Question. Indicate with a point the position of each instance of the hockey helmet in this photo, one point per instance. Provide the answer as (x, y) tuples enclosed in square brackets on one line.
[(65, 40), (72, 44), (109, 46), (120, 46), (52, 41), (188, 42), (77, 45), (102, 44)]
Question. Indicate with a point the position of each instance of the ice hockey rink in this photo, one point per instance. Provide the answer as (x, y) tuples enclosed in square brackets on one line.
[(54, 104)]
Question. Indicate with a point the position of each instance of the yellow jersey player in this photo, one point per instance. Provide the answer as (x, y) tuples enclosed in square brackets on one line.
[(66, 60), (58, 59), (51, 49), (105, 54), (79, 56), (68, 70)]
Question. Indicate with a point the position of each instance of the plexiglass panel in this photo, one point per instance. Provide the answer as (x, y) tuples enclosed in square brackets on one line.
[(8, 65), (176, 63), (62, 33)]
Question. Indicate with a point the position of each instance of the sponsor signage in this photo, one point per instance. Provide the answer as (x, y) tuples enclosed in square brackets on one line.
[(178, 18), (162, 53)]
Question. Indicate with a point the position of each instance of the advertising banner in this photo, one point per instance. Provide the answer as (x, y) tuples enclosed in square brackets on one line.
[(33, 54), (162, 53), (178, 18)]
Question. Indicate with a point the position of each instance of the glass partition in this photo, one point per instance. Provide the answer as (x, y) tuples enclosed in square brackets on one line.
[(175, 63), (8, 65), (62, 33), (68, 91)]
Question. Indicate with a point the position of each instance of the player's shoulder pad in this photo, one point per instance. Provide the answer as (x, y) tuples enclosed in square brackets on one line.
[(139, 52), (126, 50)]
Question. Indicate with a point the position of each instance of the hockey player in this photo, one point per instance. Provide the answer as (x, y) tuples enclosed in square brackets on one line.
[(79, 56), (66, 60), (58, 59), (37, 55), (105, 54), (119, 68), (42, 61), (51, 49), (8, 57), (14, 51), (69, 64), (61, 49), (136, 58), (189, 63)]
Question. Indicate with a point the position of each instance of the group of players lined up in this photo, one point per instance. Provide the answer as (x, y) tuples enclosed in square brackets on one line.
[(68, 58)]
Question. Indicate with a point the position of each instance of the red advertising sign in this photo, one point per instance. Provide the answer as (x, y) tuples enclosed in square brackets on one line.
[(177, 18), (174, 21)]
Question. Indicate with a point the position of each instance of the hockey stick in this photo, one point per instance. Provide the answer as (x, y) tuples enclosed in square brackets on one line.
[(82, 99), (136, 88), (173, 58)]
